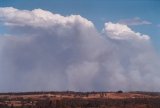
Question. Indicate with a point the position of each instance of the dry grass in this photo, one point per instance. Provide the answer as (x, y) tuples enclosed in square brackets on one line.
[(80, 100)]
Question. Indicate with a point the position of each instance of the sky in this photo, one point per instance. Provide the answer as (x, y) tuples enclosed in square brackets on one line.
[(101, 11), (96, 45)]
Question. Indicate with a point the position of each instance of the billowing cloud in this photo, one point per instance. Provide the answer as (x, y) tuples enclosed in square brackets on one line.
[(46, 51), (121, 31), (134, 21), (38, 18)]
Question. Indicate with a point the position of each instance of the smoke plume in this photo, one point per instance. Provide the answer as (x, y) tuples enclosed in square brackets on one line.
[(46, 51)]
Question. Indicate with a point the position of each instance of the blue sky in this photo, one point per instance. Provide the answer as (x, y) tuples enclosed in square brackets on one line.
[(101, 11)]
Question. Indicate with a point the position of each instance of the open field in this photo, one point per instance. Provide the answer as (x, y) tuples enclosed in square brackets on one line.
[(80, 100)]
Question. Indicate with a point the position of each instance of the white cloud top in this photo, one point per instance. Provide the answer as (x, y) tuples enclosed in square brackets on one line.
[(121, 31), (39, 18)]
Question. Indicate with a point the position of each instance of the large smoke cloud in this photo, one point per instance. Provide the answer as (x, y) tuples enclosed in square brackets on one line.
[(46, 51)]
